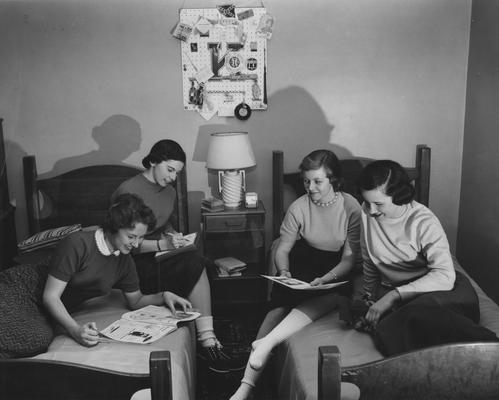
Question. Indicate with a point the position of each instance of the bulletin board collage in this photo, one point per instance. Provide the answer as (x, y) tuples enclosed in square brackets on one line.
[(224, 59)]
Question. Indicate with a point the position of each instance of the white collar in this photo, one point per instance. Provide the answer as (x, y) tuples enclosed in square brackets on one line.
[(100, 241)]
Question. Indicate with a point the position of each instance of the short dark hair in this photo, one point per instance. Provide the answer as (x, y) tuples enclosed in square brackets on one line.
[(391, 176), (128, 210), (164, 150), (328, 160)]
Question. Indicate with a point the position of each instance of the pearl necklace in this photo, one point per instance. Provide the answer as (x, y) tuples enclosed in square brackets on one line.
[(327, 203)]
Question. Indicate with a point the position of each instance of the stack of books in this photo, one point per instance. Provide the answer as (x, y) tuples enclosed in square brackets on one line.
[(211, 204), (229, 266)]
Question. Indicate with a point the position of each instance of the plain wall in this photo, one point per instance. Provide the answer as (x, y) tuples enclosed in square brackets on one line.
[(478, 238), (100, 80)]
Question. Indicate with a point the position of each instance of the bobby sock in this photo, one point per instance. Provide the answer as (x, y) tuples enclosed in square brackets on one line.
[(205, 332)]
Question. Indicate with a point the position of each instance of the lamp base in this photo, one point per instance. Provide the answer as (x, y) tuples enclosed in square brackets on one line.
[(232, 185)]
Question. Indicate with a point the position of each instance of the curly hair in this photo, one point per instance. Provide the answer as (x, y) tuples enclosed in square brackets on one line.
[(391, 177), (127, 211)]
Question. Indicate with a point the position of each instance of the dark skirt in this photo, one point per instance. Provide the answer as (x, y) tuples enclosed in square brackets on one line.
[(307, 263), (433, 318), (178, 274), (26, 328)]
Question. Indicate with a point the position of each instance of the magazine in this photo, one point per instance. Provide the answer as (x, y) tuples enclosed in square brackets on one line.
[(297, 284), (146, 324), (190, 244)]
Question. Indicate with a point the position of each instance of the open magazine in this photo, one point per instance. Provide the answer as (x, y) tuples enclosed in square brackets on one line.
[(190, 244), (297, 284), (146, 324)]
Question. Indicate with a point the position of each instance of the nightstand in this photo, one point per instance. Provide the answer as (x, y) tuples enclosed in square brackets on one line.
[(238, 233)]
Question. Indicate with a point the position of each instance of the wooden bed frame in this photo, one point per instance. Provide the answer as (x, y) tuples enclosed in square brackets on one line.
[(32, 379), (351, 168), (453, 371), (82, 196)]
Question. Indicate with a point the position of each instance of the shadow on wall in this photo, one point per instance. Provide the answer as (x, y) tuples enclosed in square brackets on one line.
[(294, 123), (117, 137)]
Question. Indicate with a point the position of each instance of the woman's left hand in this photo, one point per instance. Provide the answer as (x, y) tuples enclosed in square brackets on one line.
[(172, 300), (383, 305)]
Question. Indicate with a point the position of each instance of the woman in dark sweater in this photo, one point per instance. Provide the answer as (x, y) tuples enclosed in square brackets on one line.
[(185, 272)]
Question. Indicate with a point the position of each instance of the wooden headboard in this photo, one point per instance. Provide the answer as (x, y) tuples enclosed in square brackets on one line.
[(82, 196), (351, 168)]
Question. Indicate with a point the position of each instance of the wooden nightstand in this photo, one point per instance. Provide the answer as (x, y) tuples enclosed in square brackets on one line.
[(238, 233)]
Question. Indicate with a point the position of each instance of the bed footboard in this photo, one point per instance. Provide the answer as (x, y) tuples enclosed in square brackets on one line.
[(452, 371), (23, 379)]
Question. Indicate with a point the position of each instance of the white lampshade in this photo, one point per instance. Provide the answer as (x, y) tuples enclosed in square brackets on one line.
[(230, 151)]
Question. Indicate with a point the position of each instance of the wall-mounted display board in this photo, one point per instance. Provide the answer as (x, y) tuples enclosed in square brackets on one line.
[(224, 59)]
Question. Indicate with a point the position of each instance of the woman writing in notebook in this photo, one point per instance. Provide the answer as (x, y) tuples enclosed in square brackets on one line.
[(319, 243), (183, 273)]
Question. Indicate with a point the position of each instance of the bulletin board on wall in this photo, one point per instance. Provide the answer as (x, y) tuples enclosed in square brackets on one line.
[(224, 60)]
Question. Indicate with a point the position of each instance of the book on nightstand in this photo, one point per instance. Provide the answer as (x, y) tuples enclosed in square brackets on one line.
[(212, 204), (229, 266)]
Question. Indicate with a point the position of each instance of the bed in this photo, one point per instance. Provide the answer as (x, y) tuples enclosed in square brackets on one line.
[(313, 363), (110, 370)]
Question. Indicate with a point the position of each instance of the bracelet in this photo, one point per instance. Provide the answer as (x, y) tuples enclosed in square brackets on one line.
[(157, 245), (334, 276)]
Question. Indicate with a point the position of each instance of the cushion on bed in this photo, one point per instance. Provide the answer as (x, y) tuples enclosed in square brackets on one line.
[(29, 330), (47, 238)]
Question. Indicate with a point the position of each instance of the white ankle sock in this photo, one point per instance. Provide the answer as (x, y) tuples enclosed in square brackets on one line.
[(205, 332)]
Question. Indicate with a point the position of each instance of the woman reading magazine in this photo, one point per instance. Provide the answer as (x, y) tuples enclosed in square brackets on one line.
[(36, 300), (319, 243)]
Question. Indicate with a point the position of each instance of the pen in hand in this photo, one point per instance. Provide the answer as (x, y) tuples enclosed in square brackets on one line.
[(177, 239)]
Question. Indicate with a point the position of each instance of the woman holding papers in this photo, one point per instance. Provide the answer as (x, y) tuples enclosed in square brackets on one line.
[(416, 298), (319, 243), (86, 264), (183, 273)]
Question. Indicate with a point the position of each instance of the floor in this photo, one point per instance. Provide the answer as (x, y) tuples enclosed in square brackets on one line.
[(236, 335)]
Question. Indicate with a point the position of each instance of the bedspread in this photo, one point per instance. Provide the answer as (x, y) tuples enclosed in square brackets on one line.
[(128, 357), (295, 360)]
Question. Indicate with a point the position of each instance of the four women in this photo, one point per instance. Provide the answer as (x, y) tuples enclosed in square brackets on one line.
[(415, 296)]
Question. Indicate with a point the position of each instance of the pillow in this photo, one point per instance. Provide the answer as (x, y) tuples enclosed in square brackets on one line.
[(46, 238)]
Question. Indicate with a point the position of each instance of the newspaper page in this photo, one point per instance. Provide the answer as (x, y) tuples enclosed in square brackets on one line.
[(147, 324), (297, 284)]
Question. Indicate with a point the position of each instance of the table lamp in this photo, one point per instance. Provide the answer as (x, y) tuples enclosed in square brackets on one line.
[(230, 153)]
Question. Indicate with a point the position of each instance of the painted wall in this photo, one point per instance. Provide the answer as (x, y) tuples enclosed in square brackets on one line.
[(90, 81), (478, 238)]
